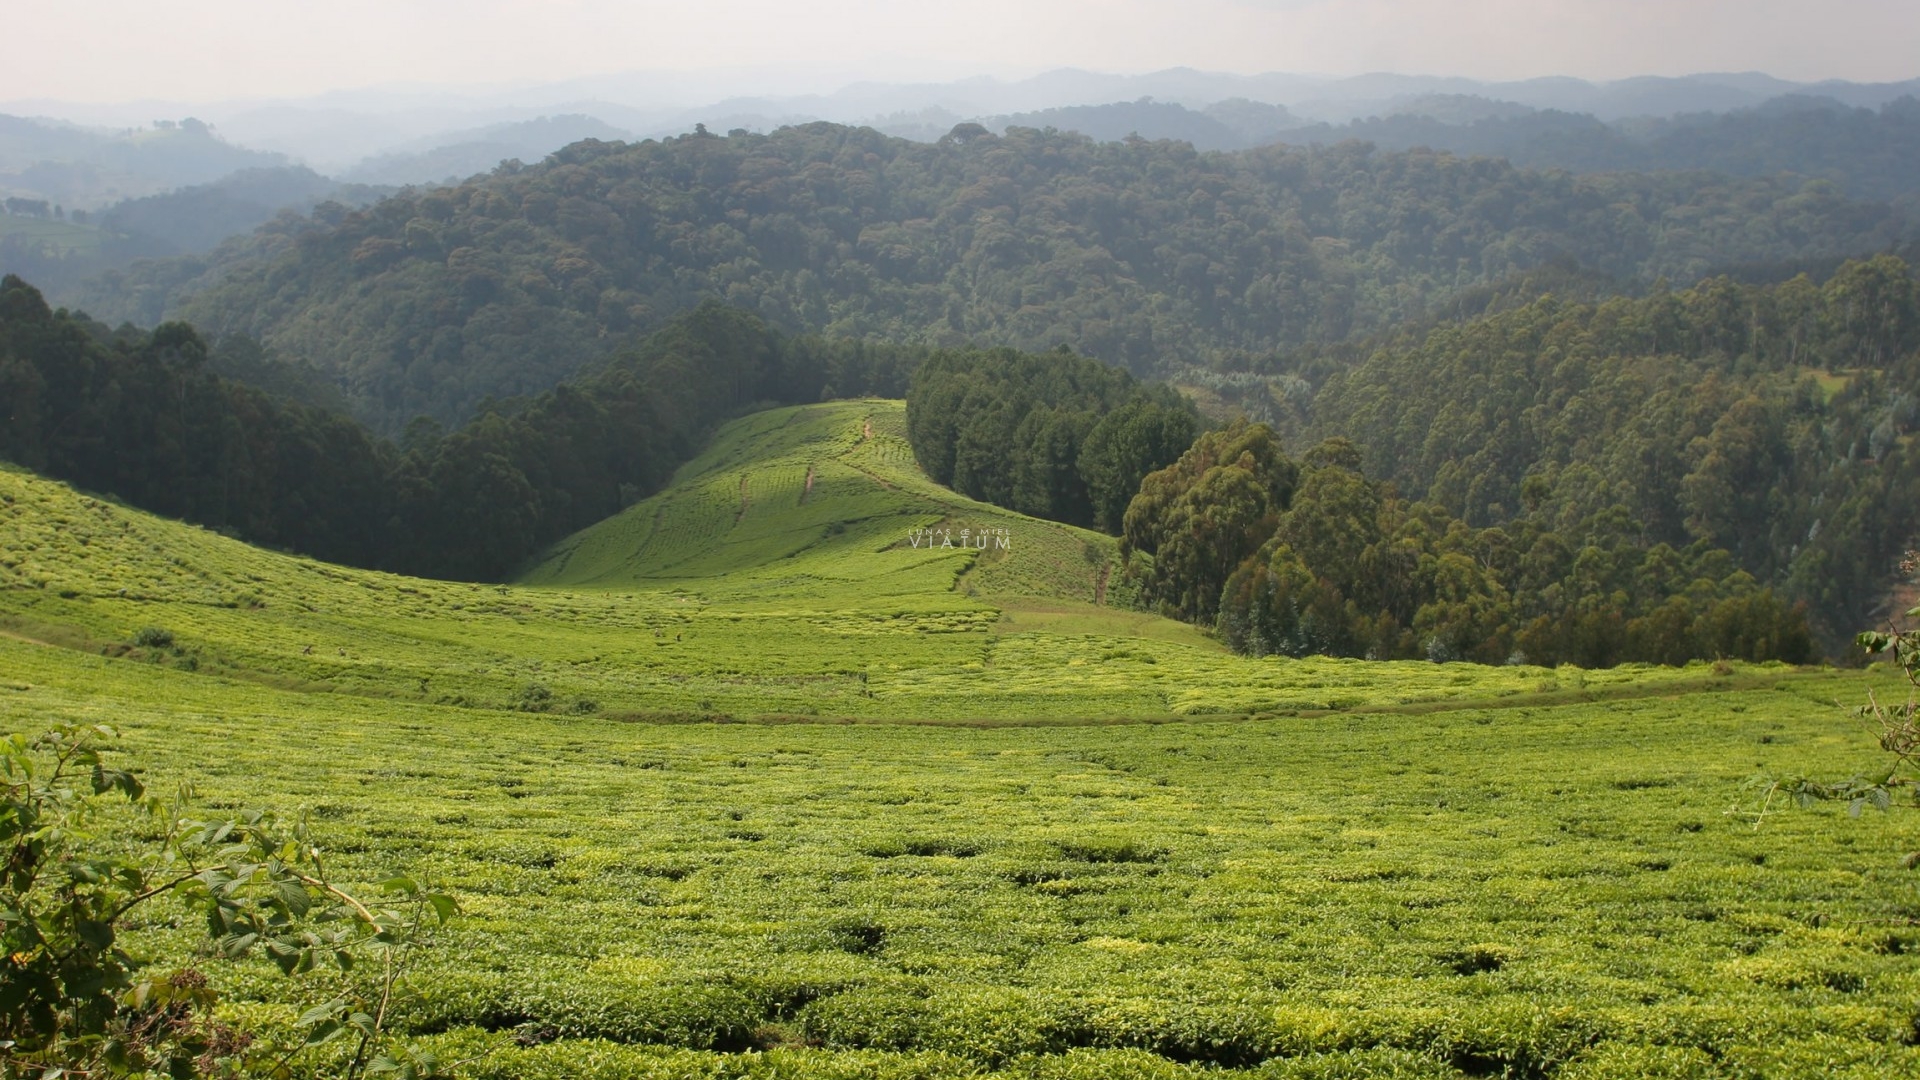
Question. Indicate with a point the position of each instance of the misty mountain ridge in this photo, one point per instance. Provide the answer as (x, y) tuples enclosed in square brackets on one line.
[(82, 168), (1870, 153), (458, 155), (196, 219), (178, 187), (1146, 118), (338, 132)]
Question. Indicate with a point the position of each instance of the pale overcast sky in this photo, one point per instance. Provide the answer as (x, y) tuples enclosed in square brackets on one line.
[(204, 50)]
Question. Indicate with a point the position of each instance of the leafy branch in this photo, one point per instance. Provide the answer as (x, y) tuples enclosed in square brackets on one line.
[(1895, 727), (74, 1003)]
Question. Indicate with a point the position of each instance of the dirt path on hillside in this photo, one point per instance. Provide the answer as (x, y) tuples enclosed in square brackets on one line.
[(28, 640), (807, 491), (746, 500), (1100, 585), (871, 475)]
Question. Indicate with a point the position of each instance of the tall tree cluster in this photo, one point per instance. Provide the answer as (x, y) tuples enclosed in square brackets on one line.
[(1771, 421), (144, 417), (1057, 436), (1310, 557)]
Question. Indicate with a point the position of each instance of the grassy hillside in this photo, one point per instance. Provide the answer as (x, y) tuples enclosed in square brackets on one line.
[(826, 500), (1355, 869), (702, 602), (1555, 890)]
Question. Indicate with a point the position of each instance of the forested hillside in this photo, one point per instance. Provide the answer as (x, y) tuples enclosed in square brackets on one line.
[(1145, 255), (185, 221), (1583, 447), (1772, 421), (1056, 436), (1310, 557), (1867, 153), (145, 417)]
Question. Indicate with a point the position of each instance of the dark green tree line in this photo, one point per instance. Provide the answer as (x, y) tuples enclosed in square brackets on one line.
[(1309, 557), (1058, 436)]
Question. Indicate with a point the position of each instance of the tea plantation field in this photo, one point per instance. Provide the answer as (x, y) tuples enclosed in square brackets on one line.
[(737, 593), (742, 784)]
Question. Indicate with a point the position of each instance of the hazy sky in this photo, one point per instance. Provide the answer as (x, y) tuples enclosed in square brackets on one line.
[(196, 50)]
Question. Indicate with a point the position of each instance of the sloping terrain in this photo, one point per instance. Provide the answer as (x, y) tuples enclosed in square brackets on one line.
[(437, 298), (736, 592), (1457, 871), (826, 499)]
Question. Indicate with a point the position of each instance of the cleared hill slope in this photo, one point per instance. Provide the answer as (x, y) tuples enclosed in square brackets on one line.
[(823, 499), (698, 603)]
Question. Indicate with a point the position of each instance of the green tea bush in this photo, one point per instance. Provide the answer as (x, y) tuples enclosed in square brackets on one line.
[(1358, 1065), (1111, 851), (1001, 870), (876, 1018), (697, 1016), (1230, 1034), (1651, 1062), (992, 1024)]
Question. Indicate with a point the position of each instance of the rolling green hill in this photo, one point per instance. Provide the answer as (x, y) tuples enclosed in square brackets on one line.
[(827, 499), (1356, 869), (737, 592)]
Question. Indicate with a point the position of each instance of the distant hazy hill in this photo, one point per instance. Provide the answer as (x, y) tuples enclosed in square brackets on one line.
[(1650, 96), (458, 155), (79, 167), (1870, 153), (1233, 124), (1144, 118), (1140, 254), (195, 219), (187, 221)]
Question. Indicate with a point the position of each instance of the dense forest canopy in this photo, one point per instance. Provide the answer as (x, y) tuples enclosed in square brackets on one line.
[(1058, 436), (1147, 255), (1772, 421), (1767, 425), (1310, 557), (1867, 153)]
